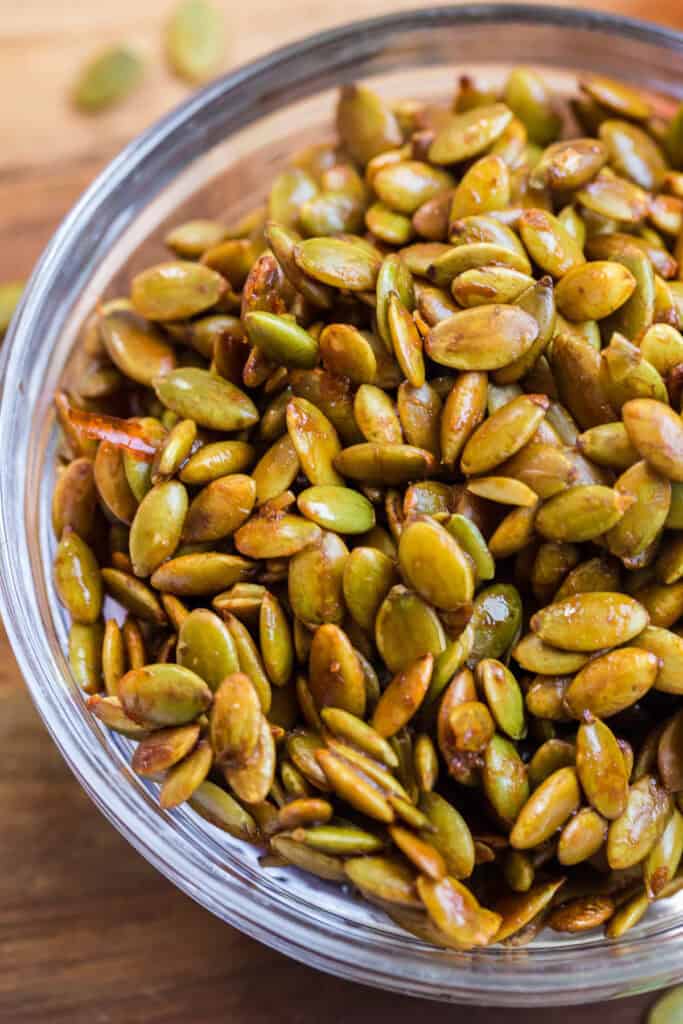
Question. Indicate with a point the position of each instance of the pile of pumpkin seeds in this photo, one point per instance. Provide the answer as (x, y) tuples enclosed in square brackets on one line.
[(388, 481)]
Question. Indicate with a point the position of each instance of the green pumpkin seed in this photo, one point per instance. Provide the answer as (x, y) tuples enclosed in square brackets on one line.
[(135, 346), (200, 573), (547, 809), (632, 836), (407, 628), (337, 508), (482, 338), (206, 646), (157, 527), (195, 40), (470, 133), (315, 581), (435, 565), (77, 578), (108, 79), (210, 401), (281, 340), (590, 621), (163, 695)]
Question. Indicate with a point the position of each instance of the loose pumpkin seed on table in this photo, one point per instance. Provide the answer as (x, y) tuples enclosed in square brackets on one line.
[(387, 483)]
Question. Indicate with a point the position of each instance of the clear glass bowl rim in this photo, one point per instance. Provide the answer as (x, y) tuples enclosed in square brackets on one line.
[(541, 977)]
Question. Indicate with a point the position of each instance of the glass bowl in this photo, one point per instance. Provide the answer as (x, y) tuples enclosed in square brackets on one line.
[(213, 156)]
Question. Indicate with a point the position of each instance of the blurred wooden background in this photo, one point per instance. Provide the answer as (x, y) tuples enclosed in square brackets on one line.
[(88, 931)]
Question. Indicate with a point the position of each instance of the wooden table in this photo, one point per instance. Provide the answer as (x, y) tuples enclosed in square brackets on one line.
[(89, 932)]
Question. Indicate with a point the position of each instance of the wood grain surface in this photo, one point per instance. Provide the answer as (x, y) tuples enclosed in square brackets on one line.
[(89, 932)]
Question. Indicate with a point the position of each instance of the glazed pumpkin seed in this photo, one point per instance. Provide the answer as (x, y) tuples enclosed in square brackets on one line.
[(451, 836), (200, 573), (448, 265), (669, 762), (252, 779), (548, 243), (657, 434), (503, 434), (109, 711), (590, 621), (139, 599), (632, 836), (112, 485), (536, 656), (337, 508), (315, 581), (663, 860), (384, 878), (505, 780), (212, 461), (484, 187), (601, 769), (527, 95), (108, 79), (74, 499), (456, 912), (403, 696), (425, 763), (545, 698), (503, 697), (349, 783), (336, 676), (547, 809), (277, 536), (611, 683), (608, 445), (391, 464), (592, 291), (209, 400), (550, 756), (519, 909), (368, 576), (582, 837), (582, 513), (77, 578), (406, 341), (194, 237), (576, 369), (163, 694), (136, 346), (668, 649), (186, 778), (601, 574), (85, 655), (206, 646), (176, 290), (471, 726), (496, 620), (219, 509), (235, 720), (434, 564), (337, 262), (281, 340), (406, 629), (164, 748), (469, 133), (472, 543), (503, 490), (366, 125), (223, 811), (404, 186), (157, 526), (582, 914), (569, 164), (483, 285), (315, 441), (484, 337)]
